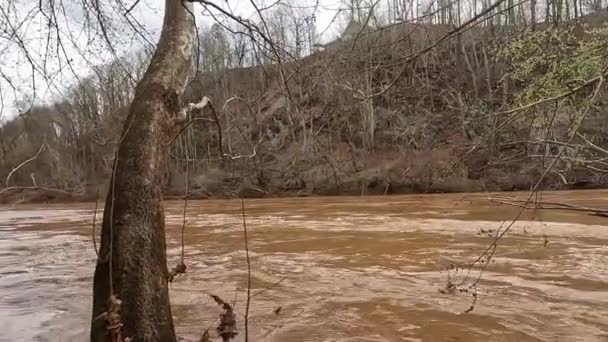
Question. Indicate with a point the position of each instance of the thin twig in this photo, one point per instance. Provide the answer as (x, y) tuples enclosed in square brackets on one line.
[(237, 157), (111, 218), (111, 223), (248, 271), (269, 287), (185, 207), (181, 267), (219, 128), (95, 223), (546, 205), (186, 125), (593, 146), (411, 57), (489, 252), (132, 7), (556, 97)]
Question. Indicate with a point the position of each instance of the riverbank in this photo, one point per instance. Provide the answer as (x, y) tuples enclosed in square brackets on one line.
[(18, 196)]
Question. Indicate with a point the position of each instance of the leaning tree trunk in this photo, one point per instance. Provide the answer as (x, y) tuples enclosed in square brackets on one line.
[(132, 263)]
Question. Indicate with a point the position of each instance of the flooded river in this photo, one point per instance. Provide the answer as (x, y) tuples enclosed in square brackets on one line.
[(339, 269)]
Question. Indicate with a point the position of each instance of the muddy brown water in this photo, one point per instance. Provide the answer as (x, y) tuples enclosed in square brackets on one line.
[(340, 269)]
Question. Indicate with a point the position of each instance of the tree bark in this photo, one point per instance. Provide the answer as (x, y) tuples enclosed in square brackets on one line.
[(132, 263)]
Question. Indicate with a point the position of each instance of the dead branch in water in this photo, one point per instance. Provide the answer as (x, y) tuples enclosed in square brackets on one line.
[(227, 326), (548, 205)]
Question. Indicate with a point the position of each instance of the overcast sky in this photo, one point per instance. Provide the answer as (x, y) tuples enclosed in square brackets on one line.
[(85, 47)]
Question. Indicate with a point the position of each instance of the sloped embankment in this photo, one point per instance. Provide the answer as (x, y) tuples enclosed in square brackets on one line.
[(380, 113)]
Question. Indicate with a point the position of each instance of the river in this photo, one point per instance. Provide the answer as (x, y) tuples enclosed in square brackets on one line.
[(339, 269)]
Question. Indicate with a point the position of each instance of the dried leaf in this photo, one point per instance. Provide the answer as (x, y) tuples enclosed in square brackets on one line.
[(177, 270), (227, 326), (113, 320)]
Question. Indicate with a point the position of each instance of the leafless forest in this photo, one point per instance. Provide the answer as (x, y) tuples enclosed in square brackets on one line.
[(412, 97)]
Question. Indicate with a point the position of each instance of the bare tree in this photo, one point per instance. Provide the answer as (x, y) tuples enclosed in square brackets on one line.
[(132, 265)]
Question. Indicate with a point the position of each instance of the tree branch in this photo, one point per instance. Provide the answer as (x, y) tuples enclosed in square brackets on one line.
[(25, 162), (546, 205)]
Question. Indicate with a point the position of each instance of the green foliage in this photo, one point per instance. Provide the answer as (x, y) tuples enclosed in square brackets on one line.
[(549, 62)]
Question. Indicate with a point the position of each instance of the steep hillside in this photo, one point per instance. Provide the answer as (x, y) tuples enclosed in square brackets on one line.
[(407, 108), (376, 115)]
